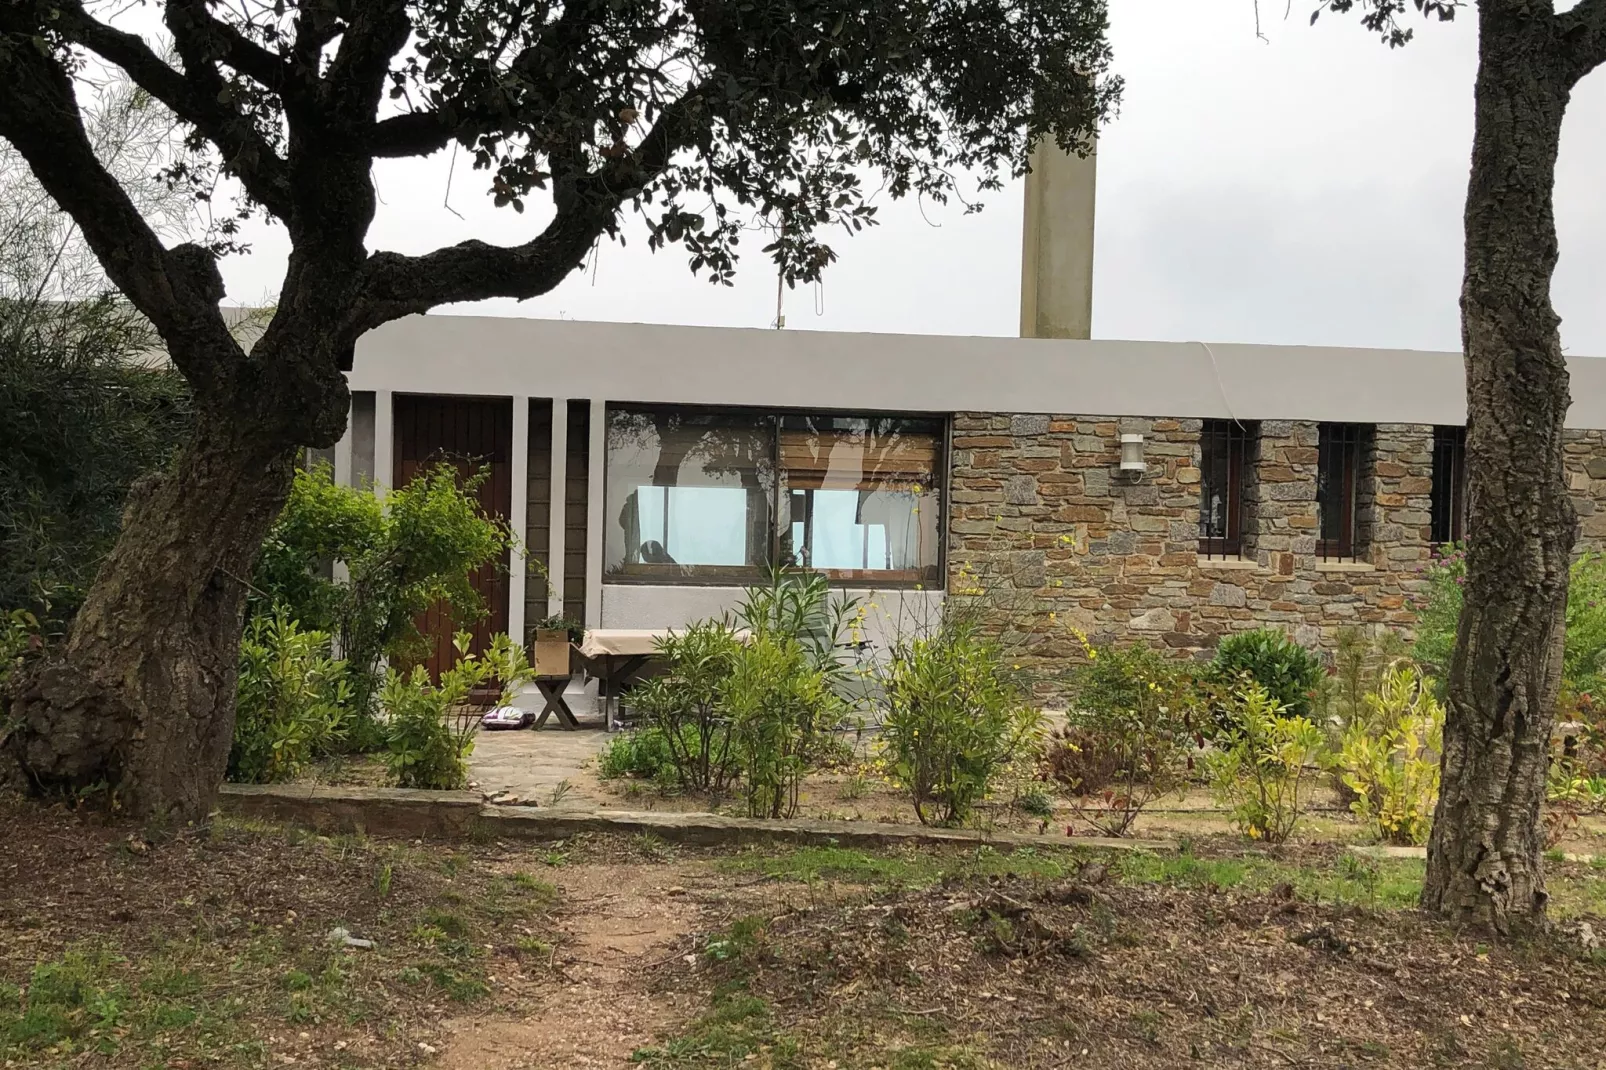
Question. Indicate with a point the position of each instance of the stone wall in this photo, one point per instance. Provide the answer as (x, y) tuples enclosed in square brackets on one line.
[(1043, 522)]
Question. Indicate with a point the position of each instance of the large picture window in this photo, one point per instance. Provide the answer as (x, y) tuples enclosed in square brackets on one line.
[(708, 497), (1225, 447)]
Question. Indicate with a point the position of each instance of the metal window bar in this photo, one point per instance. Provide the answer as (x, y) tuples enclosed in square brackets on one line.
[(1223, 458), (1338, 471), (1449, 484)]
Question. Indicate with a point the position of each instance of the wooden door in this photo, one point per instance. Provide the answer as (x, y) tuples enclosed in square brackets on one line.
[(470, 434)]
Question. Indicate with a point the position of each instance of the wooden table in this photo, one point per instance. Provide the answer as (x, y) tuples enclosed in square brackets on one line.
[(613, 656), (551, 689)]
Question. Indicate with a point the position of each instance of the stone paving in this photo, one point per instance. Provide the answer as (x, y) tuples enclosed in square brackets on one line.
[(532, 765)]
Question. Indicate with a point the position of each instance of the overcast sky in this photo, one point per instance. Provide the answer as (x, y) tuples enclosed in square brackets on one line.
[(1306, 189)]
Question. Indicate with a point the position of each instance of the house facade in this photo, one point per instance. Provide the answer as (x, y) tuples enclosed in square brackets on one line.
[(1175, 491)]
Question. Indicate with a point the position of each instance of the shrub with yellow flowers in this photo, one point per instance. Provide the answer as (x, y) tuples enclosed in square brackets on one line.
[(1127, 739)]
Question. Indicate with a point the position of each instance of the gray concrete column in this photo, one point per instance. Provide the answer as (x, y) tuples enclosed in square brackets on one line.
[(1056, 286)]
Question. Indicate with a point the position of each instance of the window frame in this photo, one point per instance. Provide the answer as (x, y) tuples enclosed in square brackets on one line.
[(647, 574), (1237, 437), (1346, 440), (1447, 524)]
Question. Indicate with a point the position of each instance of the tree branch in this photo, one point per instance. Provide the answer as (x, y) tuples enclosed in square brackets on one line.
[(397, 285), (191, 22), (375, 31), (1583, 37), (414, 133), (177, 290), (245, 153)]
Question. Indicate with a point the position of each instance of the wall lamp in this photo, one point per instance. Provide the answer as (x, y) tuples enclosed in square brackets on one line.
[(1132, 455)]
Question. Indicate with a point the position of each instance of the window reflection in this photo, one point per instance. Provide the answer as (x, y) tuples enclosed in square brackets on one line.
[(863, 495), (687, 493), (717, 496)]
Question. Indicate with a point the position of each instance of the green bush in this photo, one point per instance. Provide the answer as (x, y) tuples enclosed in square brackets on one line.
[(573, 628), (1261, 772), (291, 700), (1390, 757), (1128, 734), (1291, 675), (428, 734), (953, 715), (82, 417), (642, 754), (417, 549), (1360, 665), (798, 605), (1584, 652), (684, 705), (780, 705)]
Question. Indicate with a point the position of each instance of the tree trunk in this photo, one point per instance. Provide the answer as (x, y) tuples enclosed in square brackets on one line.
[(1485, 856), (140, 701)]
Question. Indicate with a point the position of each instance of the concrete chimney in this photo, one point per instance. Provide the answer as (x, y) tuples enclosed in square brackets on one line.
[(1056, 278)]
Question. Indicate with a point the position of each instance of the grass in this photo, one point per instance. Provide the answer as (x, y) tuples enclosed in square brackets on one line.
[(214, 949), (1346, 880), (916, 868), (1340, 879)]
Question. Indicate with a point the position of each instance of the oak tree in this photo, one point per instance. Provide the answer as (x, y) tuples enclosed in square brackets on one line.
[(700, 115), (1485, 853)]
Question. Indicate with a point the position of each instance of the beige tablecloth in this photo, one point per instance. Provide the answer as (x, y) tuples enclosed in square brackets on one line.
[(628, 642), (621, 642)]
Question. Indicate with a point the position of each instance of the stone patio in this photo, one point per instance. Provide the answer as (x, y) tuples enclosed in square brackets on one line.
[(532, 764)]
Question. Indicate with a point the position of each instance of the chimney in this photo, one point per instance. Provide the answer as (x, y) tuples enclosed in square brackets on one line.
[(1056, 279)]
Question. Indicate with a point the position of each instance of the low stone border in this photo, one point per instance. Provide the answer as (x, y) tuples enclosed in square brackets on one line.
[(411, 814)]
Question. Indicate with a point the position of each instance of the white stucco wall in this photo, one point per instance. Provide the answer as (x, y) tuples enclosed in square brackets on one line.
[(887, 613)]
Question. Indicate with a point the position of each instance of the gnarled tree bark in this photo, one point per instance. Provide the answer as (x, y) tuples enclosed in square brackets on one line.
[(1485, 855)]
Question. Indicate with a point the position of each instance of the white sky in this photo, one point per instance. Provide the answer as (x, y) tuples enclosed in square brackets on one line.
[(1305, 190)]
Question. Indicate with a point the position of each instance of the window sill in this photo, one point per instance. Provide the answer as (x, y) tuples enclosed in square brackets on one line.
[(1239, 563), (1343, 566)]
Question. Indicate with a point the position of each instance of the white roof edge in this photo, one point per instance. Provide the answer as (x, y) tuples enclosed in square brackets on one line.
[(495, 355)]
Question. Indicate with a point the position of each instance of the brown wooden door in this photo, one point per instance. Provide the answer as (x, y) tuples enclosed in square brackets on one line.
[(469, 433)]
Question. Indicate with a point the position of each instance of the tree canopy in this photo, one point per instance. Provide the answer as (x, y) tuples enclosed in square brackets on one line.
[(701, 115)]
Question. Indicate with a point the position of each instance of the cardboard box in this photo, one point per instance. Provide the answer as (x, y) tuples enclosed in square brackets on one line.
[(551, 652)]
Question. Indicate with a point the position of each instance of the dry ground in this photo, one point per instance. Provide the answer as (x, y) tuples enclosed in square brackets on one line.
[(211, 948)]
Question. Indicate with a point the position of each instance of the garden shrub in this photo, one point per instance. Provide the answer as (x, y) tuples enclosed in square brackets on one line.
[(1291, 675), (1390, 757), (1261, 771), (417, 549), (428, 734), (642, 753), (684, 705), (1360, 664), (780, 704), (799, 605), (1129, 719), (82, 416), (1079, 760), (290, 701), (953, 715), (1584, 652)]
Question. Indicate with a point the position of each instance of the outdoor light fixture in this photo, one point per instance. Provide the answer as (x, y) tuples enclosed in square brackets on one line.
[(1132, 454)]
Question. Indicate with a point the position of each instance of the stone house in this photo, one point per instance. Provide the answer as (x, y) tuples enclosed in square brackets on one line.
[(1167, 490)]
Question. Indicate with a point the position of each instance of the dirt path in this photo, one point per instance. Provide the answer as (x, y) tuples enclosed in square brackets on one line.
[(596, 1009)]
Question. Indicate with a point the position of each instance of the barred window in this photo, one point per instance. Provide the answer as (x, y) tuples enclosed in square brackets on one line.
[(1338, 484), (1449, 484), (1225, 447)]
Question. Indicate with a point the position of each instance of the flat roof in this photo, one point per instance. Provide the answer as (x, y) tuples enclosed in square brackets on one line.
[(625, 362)]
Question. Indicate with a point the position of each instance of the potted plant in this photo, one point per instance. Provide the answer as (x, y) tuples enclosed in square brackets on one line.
[(552, 650)]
